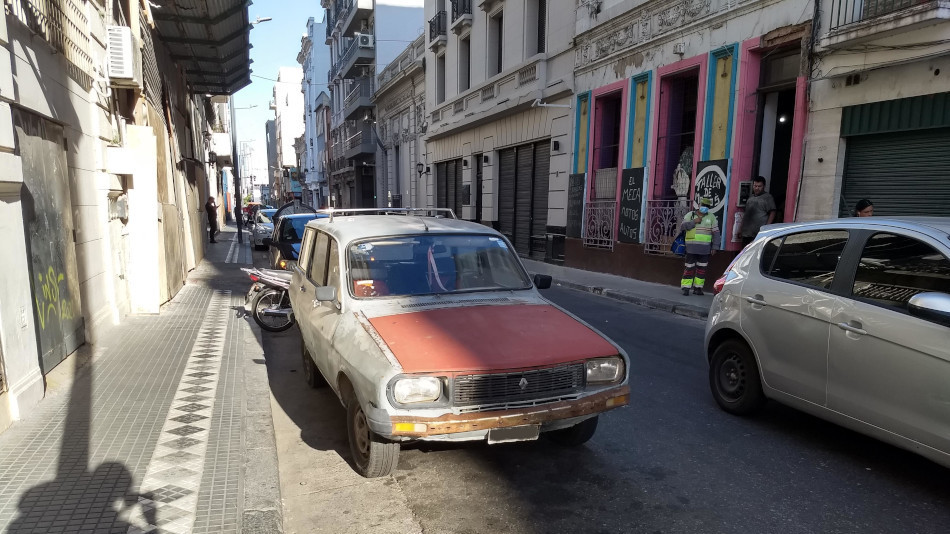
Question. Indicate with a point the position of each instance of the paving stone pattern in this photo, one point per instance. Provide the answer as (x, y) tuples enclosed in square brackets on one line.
[(148, 433)]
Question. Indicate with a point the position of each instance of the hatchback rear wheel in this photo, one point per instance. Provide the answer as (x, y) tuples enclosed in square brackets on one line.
[(734, 378)]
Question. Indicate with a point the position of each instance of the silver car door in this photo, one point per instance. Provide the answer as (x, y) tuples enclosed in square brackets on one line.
[(302, 287), (786, 309), (326, 315), (886, 367)]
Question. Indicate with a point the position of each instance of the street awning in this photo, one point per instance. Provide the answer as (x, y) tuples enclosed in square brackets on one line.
[(210, 39)]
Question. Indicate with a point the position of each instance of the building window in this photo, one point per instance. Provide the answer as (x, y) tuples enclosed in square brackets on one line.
[(535, 26), (607, 122), (465, 64), (440, 79), (677, 124), (495, 43)]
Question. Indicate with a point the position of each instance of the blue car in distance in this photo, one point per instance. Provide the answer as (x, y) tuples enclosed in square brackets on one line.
[(284, 241)]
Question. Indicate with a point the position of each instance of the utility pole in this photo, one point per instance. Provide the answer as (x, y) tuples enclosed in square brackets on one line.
[(235, 165)]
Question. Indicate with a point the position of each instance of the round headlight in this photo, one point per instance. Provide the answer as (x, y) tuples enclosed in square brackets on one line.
[(604, 370), (417, 389)]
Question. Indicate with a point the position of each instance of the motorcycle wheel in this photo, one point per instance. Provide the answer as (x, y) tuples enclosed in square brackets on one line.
[(272, 299)]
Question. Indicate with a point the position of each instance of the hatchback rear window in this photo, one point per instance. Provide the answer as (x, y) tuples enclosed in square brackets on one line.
[(808, 258)]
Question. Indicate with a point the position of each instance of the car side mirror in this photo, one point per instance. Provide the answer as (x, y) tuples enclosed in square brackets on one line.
[(325, 294), (268, 242), (542, 281), (933, 307)]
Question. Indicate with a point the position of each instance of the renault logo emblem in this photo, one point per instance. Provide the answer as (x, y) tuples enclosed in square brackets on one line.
[(523, 383)]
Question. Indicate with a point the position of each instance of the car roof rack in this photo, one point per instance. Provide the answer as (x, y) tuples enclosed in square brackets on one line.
[(418, 212)]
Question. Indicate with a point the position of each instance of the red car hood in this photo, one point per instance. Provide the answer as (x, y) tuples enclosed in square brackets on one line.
[(486, 338)]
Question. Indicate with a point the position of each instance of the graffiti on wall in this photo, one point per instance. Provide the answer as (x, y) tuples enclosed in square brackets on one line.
[(53, 303)]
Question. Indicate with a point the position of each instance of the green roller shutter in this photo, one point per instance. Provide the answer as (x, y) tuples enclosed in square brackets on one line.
[(903, 174)]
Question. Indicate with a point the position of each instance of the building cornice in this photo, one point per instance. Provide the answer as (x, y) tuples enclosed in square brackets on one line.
[(653, 23)]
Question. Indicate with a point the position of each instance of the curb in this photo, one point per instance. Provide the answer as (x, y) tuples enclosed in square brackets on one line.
[(686, 310), (262, 509)]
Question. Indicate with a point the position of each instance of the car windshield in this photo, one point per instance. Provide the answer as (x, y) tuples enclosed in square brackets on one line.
[(264, 216), (433, 264), (293, 230)]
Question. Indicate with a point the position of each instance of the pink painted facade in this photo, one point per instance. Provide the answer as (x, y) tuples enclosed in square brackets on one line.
[(699, 65)]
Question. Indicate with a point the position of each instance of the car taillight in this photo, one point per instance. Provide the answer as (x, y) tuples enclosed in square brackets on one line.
[(254, 278), (726, 276)]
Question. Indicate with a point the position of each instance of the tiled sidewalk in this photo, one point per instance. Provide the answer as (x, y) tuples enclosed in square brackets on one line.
[(152, 432)]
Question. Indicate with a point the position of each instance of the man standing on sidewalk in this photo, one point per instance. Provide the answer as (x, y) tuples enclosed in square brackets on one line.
[(702, 240), (759, 211), (212, 210)]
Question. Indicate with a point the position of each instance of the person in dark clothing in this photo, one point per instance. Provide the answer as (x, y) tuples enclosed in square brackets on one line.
[(212, 210), (864, 208)]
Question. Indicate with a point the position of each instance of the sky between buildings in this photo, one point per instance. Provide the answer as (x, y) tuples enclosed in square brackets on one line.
[(275, 44)]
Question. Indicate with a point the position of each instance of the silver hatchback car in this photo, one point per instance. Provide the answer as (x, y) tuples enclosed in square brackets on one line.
[(846, 319)]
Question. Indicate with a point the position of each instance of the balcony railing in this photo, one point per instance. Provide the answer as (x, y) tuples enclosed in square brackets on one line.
[(61, 23), (461, 7), (845, 12), (437, 26), (599, 220), (662, 224), (360, 89)]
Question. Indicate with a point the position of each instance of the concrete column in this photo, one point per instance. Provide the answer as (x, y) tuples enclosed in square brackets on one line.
[(144, 212)]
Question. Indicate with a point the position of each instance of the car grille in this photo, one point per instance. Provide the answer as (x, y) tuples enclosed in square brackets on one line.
[(518, 387)]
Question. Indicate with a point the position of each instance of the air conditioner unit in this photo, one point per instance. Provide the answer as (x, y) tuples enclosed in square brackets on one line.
[(125, 58), (364, 40)]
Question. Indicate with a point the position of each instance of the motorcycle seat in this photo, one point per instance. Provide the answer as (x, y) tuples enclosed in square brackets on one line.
[(277, 273)]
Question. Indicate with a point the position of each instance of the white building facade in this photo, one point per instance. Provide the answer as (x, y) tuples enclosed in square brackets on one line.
[(314, 57), (879, 117), (499, 87), (400, 116), (288, 106), (363, 36)]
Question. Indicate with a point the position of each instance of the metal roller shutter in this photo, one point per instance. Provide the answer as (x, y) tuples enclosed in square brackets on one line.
[(523, 190), (458, 188), (506, 193), (905, 173), (440, 186), (539, 206), (450, 191)]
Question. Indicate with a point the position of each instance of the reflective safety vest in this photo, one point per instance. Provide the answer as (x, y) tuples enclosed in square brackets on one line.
[(702, 233)]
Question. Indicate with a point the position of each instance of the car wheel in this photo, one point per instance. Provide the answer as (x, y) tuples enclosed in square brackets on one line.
[(373, 457), (734, 378), (310, 372), (578, 434)]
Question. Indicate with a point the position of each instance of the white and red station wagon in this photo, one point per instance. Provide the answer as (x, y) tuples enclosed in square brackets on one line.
[(429, 328)]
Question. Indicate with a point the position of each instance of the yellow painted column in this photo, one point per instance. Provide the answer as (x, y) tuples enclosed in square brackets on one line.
[(719, 139)]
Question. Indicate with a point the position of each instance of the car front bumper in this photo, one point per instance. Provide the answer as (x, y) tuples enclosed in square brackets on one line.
[(475, 425)]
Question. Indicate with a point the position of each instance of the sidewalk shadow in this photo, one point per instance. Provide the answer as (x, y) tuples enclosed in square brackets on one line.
[(316, 412), (79, 498)]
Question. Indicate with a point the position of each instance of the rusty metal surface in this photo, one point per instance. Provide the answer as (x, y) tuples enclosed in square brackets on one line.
[(452, 423)]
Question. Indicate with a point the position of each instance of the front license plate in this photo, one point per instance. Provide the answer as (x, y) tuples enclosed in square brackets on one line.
[(513, 433)]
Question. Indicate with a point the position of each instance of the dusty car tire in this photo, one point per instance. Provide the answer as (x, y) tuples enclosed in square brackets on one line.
[(578, 434), (372, 456), (310, 372), (734, 378)]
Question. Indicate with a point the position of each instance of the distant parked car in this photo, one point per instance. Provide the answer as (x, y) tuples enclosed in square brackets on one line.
[(284, 241), (429, 329), (262, 226), (848, 320)]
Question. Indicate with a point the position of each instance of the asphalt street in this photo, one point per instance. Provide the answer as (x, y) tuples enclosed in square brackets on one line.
[(671, 461)]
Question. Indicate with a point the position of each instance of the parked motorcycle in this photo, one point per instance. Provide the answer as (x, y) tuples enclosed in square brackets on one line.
[(268, 299)]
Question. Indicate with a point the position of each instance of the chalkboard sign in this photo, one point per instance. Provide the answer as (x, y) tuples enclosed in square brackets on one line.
[(575, 204), (631, 205), (711, 184)]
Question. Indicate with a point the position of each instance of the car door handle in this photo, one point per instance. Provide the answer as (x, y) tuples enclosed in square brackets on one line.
[(303, 289), (856, 328), (756, 299)]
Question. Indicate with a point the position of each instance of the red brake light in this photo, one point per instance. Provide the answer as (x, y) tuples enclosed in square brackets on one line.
[(726, 276), (254, 278)]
